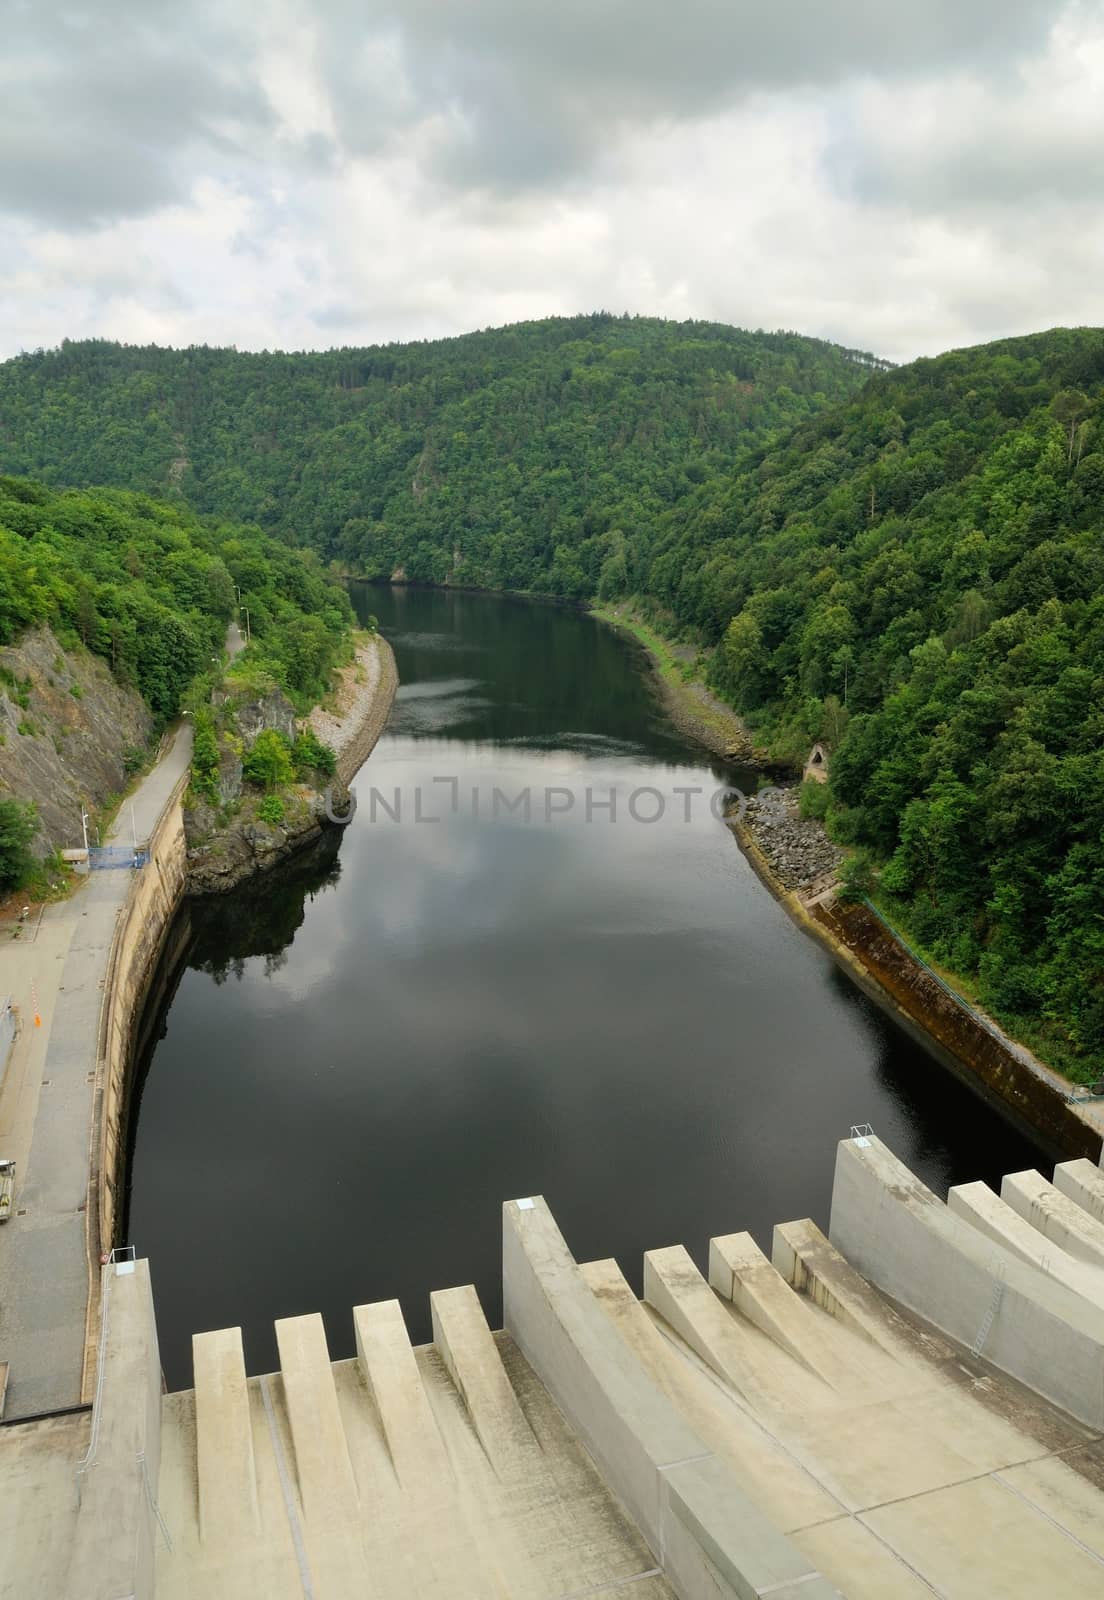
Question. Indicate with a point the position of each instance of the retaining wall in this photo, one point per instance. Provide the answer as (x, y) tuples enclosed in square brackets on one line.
[(886, 971), (900, 1237), (1038, 1103), (155, 894)]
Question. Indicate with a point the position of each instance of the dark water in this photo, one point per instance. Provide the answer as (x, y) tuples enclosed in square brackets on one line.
[(363, 1059)]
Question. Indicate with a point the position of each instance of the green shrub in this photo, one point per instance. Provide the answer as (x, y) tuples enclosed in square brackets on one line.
[(205, 755), (268, 763), (311, 754), (17, 828), (76, 691), (813, 800), (271, 810), (857, 877)]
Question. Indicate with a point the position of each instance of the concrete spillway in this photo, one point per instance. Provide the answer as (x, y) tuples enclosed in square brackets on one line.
[(777, 1427)]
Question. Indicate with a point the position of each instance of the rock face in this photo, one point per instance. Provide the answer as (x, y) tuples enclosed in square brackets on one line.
[(79, 728), (255, 715), (230, 842), (222, 856), (229, 774)]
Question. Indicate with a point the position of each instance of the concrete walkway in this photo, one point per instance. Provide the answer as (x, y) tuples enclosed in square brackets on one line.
[(46, 1109), (235, 640)]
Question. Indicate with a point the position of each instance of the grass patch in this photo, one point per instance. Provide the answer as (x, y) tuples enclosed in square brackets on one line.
[(681, 678)]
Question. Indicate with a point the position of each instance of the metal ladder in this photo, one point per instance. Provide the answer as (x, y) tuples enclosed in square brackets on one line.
[(991, 1314)]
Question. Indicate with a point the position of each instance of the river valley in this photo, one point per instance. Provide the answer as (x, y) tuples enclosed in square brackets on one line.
[(353, 1063)]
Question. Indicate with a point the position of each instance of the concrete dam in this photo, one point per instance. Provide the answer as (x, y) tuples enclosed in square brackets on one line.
[(910, 1406)]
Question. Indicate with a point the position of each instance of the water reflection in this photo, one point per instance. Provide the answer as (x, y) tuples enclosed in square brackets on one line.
[(613, 1014), (262, 917)]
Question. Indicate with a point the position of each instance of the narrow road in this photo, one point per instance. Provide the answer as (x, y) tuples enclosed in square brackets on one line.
[(43, 1259), (235, 641)]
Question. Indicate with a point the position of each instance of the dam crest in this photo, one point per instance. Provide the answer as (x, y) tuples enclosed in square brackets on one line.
[(911, 1405)]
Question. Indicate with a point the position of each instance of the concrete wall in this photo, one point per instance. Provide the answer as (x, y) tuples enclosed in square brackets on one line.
[(116, 1529), (887, 971), (140, 932), (707, 1537), (906, 1242)]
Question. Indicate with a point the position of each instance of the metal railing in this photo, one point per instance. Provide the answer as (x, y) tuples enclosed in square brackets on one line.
[(104, 857)]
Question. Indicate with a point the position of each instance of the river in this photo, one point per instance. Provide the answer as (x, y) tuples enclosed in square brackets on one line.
[(358, 1060)]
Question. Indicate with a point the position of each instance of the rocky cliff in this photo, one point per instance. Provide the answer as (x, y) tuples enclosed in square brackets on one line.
[(223, 853), (228, 837), (69, 734)]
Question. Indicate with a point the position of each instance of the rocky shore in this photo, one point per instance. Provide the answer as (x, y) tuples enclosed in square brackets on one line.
[(223, 855), (361, 705), (694, 709), (800, 865), (697, 712), (797, 850)]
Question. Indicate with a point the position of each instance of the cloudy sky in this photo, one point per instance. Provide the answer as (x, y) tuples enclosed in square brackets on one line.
[(902, 175)]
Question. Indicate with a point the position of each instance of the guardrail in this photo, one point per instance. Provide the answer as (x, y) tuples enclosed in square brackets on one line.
[(104, 857)]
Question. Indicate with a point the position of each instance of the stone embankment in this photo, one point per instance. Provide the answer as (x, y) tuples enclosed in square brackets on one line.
[(361, 706), (796, 848), (799, 863)]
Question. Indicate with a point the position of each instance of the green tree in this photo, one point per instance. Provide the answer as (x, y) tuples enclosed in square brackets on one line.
[(268, 762), (18, 823), (205, 754), (310, 754)]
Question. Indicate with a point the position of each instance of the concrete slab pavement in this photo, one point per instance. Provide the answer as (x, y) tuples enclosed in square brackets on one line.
[(46, 1111)]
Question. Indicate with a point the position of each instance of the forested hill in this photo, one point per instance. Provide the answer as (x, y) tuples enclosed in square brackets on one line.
[(908, 563), (918, 576), (150, 588), (520, 457)]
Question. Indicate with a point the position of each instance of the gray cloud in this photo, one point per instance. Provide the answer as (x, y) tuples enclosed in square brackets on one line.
[(531, 94), (114, 110), (902, 177), (986, 158), (104, 112)]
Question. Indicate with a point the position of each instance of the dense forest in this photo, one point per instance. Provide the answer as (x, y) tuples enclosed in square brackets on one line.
[(908, 563), (151, 587), (518, 458), (918, 576)]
